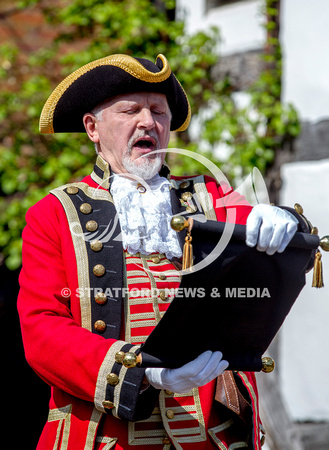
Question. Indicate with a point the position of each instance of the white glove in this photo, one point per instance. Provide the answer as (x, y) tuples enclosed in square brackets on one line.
[(198, 372), (270, 228)]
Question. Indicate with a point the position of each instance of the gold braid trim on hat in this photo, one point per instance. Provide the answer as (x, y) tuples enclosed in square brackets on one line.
[(124, 62), (184, 126)]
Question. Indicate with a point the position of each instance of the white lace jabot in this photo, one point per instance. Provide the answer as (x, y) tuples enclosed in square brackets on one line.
[(145, 217)]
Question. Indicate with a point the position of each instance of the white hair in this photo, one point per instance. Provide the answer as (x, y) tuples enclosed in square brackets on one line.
[(98, 113)]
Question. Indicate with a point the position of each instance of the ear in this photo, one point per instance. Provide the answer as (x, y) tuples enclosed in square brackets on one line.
[(90, 123)]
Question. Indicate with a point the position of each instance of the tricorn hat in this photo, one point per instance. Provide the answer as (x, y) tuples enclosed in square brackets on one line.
[(108, 77)]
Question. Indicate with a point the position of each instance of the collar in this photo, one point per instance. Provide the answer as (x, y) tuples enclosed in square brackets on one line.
[(102, 174)]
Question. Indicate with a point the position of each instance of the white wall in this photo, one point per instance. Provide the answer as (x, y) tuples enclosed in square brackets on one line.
[(240, 23), (303, 362), (305, 41), (304, 337)]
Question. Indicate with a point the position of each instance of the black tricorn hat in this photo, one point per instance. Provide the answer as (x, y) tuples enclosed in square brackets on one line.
[(107, 77)]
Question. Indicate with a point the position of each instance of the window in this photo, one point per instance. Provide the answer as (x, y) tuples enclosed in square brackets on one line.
[(215, 3)]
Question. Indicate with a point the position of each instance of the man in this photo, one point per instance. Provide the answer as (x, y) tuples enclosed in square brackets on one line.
[(85, 273)]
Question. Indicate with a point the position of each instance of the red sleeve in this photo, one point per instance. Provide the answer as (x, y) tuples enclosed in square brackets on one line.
[(229, 205), (61, 352)]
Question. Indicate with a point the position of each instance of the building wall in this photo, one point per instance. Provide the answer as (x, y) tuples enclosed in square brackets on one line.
[(304, 339), (240, 23)]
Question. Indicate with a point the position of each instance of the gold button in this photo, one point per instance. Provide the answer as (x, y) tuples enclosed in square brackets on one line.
[(119, 357), (166, 440), (112, 379), (96, 246), (163, 296), (184, 184), (100, 298), (72, 190), (91, 225), (129, 360), (156, 259), (108, 404), (187, 196), (262, 440), (99, 270), (168, 392), (170, 413), (100, 326), (298, 208), (86, 208), (191, 209), (162, 276)]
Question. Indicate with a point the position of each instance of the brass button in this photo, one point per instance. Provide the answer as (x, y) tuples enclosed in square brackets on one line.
[(100, 326), (191, 209), (72, 190), (298, 208), (86, 208), (162, 276), (99, 270), (108, 404), (170, 413), (166, 440), (163, 296), (100, 298), (91, 225), (119, 357), (96, 246), (129, 360), (187, 196), (184, 184), (262, 440), (156, 259), (112, 379), (168, 392)]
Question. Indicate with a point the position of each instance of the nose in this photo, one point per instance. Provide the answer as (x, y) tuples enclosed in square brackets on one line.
[(146, 119)]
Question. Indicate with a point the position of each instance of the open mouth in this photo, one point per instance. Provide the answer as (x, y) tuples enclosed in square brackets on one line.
[(145, 143)]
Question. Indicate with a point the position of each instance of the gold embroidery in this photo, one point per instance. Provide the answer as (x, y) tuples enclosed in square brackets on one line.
[(81, 256), (144, 323), (238, 445), (254, 404), (105, 369), (110, 442), (189, 434), (105, 168), (136, 316), (146, 437), (92, 428), (188, 118), (117, 389), (79, 243), (223, 426), (64, 416), (124, 62), (204, 198), (138, 339)]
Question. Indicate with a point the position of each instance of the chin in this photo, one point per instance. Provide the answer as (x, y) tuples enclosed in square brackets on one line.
[(143, 167)]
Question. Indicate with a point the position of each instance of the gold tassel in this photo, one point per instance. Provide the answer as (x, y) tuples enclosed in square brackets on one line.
[(187, 252), (317, 271)]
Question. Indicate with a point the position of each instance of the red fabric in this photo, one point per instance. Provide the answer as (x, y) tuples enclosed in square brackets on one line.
[(65, 355)]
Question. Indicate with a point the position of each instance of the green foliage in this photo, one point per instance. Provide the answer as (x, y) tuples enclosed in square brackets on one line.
[(83, 30)]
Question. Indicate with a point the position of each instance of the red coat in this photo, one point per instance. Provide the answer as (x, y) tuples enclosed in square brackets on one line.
[(66, 351)]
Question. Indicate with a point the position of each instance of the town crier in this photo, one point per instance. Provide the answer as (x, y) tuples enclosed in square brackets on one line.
[(99, 257)]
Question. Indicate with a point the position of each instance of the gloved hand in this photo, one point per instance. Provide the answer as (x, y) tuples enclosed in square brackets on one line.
[(270, 228), (198, 372)]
